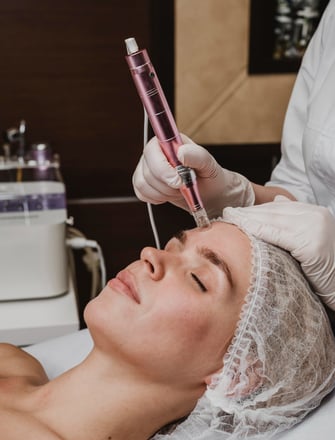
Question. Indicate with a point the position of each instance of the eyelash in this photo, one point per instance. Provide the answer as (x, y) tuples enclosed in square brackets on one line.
[(200, 284)]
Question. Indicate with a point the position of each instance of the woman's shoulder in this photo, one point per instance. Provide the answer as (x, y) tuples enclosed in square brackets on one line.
[(20, 373), (16, 362)]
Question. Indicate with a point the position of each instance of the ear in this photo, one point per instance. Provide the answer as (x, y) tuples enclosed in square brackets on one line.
[(208, 379), (243, 385), (248, 383)]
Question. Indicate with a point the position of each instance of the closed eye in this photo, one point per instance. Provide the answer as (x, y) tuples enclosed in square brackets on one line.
[(200, 284)]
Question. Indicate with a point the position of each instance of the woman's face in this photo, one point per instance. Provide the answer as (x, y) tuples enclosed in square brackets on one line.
[(173, 312)]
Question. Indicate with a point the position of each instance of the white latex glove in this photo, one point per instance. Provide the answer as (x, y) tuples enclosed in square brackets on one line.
[(156, 181), (306, 231)]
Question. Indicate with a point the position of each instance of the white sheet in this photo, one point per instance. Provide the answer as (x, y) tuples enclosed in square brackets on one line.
[(60, 354)]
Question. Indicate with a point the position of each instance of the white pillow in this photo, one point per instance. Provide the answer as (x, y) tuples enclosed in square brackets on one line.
[(62, 353)]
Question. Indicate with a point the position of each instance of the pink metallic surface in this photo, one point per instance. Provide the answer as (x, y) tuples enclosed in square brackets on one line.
[(161, 119)]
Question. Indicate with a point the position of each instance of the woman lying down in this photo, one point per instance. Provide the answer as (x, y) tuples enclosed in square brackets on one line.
[(217, 336)]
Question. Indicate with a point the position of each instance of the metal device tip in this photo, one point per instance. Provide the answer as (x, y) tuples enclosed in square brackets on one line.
[(201, 218), (131, 45)]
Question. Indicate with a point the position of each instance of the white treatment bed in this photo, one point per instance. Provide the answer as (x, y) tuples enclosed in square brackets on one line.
[(60, 354)]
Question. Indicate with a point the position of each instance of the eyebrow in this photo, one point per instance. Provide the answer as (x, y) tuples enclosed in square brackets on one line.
[(208, 254)]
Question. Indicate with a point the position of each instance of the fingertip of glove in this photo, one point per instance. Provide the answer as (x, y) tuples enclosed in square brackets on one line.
[(190, 151), (281, 198), (182, 150), (174, 182)]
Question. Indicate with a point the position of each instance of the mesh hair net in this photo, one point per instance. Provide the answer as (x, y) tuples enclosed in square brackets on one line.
[(280, 363)]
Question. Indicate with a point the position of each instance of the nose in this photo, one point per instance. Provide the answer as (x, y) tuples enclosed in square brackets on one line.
[(155, 260)]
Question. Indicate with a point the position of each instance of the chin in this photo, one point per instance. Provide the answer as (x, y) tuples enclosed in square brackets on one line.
[(91, 314)]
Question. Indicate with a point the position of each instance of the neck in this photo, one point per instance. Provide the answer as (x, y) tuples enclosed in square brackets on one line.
[(98, 400)]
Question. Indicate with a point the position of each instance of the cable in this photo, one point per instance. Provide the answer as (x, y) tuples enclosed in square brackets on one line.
[(153, 225), (102, 264), (149, 206), (93, 255), (88, 259)]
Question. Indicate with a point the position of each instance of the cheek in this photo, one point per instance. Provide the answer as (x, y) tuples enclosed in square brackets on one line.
[(207, 332), (183, 322), (174, 344), (192, 342), (196, 325)]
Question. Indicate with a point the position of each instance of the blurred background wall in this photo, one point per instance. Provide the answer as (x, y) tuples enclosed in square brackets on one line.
[(217, 100)]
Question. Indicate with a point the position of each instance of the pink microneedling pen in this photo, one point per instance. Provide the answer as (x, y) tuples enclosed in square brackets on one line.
[(163, 125)]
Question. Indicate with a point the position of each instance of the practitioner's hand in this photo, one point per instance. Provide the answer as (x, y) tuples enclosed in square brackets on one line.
[(156, 181), (307, 231)]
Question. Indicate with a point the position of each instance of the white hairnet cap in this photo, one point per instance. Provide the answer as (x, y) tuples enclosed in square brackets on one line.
[(280, 363)]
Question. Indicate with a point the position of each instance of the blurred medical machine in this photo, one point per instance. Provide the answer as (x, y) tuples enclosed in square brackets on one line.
[(37, 286), (33, 262)]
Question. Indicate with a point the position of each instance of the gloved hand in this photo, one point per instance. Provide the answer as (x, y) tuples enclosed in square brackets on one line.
[(156, 181), (306, 231)]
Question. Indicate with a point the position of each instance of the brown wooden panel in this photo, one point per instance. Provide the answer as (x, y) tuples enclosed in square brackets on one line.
[(63, 70)]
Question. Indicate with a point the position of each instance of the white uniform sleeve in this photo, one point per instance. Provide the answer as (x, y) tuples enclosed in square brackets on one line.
[(290, 173)]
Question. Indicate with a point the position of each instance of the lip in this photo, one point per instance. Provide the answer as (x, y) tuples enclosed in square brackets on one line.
[(123, 282)]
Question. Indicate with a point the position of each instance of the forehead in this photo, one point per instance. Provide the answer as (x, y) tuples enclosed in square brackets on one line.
[(225, 239), (221, 234)]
